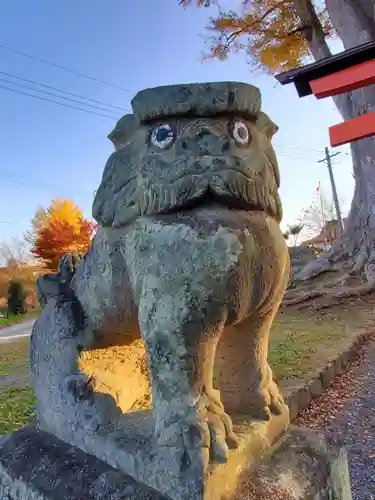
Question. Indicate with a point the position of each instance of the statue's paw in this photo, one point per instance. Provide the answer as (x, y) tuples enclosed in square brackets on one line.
[(74, 261), (68, 264), (206, 435), (211, 440), (216, 428), (276, 405), (267, 402), (222, 436)]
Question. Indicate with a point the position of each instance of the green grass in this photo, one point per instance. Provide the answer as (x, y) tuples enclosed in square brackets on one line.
[(301, 342), (13, 320), (16, 408), (16, 403), (14, 358)]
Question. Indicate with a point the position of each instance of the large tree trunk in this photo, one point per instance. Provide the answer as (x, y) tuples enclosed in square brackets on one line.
[(354, 23)]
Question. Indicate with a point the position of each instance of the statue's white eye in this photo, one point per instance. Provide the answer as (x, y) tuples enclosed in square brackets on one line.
[(240, 133), (162, 136)]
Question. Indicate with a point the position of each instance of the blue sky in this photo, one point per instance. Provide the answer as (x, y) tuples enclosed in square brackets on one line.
[(48, 151)]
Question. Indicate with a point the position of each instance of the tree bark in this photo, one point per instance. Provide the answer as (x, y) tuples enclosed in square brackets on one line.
[(313, 30), (352, 20), (354, 23)]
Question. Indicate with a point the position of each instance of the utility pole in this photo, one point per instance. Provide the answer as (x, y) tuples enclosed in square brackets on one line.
[(323, 214), (333, 185)]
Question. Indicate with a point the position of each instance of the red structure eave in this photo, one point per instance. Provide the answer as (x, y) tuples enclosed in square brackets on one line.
[(346, 80), (352, 130), (344, 72)]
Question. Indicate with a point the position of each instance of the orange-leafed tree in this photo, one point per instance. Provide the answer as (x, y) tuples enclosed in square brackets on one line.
[(59, 230), (278, 35)]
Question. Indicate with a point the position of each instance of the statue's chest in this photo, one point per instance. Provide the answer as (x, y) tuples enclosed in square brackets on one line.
[(167, 257)]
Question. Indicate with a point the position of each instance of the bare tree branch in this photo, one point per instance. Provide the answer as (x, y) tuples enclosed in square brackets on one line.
[(200, 3), (230, 39), (14, 253), (316, 216)]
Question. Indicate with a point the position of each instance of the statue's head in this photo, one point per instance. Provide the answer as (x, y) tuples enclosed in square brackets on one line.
[(185, 144)]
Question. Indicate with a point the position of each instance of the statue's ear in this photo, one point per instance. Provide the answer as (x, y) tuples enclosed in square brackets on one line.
[(123, 130), (266, 126)]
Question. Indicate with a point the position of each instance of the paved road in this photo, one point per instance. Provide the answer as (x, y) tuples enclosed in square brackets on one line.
[(16, 332)]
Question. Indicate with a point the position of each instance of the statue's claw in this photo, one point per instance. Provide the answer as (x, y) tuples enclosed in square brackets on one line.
[(208, 436)]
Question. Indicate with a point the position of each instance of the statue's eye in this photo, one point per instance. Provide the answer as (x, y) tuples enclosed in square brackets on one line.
[(163, 136), (240, 133)]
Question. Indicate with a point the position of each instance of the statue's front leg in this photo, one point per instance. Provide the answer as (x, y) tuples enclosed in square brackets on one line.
[(181, 334)]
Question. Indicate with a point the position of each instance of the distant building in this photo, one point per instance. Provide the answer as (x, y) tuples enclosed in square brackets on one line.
[(327, 236)]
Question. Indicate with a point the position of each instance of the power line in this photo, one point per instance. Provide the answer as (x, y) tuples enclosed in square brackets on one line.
[(69, 99), (299, 150), (64, 68), (83, 75), (296, 157), (24, 181), (90, 77), (55, 102), (16, 179), (20, 180), (307, 150), (301, 154), (62, 91), (93, 112), (91, 105)]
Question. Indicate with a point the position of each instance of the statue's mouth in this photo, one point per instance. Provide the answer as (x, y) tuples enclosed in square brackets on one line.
[(210, 199)]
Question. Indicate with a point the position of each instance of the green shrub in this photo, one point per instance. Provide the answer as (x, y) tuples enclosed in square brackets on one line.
[(16, 298)]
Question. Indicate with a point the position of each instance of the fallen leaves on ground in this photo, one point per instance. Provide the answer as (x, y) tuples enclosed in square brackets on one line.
[(324, 409)]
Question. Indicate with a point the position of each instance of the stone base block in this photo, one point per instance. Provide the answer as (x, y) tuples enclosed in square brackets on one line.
[(255, 442), (129, 447), (302, 466), (35, 465)]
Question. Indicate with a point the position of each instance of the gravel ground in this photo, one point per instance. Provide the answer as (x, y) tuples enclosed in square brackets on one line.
[(346, 411)]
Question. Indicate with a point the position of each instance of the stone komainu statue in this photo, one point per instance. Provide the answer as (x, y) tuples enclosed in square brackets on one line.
[(189, 256)]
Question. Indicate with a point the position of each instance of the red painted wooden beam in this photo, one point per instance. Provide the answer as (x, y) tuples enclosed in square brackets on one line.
[(346, 80), (352, 130)]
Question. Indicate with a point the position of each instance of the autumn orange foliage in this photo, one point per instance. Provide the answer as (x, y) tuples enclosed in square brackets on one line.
[(59, 230), (269, 31)]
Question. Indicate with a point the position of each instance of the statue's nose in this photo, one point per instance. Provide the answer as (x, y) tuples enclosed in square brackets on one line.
[(205, 140), (209, 143)]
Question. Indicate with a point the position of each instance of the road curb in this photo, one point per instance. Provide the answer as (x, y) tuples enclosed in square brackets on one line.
[(298, 398)]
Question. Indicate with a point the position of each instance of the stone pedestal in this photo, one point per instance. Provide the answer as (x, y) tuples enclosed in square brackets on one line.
[(301, 465), (129, 446), (35, 465)]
